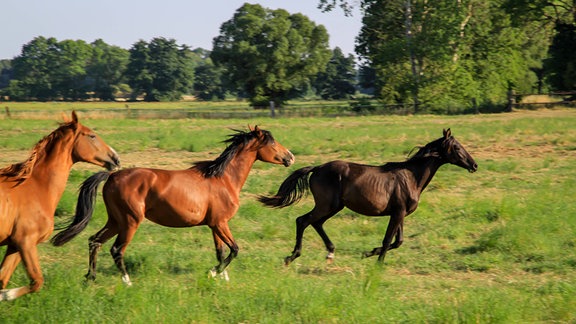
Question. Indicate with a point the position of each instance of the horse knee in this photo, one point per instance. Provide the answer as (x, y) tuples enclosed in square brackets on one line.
[(234, 250)]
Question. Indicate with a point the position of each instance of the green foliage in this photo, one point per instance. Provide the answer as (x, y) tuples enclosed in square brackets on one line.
[(339, 79), (67, 70), (208, 83), (106, 69), (452, 55), (561, 65), (160, 70), (269, 54)]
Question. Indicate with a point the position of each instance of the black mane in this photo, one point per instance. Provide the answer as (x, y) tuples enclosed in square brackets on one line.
[(431, 149), (236, 142)]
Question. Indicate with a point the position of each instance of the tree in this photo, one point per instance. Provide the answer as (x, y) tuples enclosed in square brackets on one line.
[(6, 73), (560, 67), (447, 54), (339, 79), (208, 81), (161, 70), (270, 54), (32, 70), (50, 70), (560, 17), (106, 69), (68, 74)]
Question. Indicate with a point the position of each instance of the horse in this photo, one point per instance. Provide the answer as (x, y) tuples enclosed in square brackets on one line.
[(29, 194), (392, 189), (205, 194)]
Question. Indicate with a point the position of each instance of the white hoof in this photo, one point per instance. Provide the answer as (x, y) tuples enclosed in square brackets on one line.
[(8, 294), (126, 280), (222, 275), (330, 257)]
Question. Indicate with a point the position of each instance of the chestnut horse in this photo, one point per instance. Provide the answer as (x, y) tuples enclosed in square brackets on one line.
[(30, 191), (391, 189), (205, 194)]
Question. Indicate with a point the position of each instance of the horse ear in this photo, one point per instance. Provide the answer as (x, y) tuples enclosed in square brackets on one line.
[(447, 133), (74, 117)]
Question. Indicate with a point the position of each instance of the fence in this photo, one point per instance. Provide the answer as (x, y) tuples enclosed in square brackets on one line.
[(334, 110), (534, 101)]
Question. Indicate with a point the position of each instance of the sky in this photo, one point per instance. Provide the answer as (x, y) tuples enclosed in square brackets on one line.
[(124, 22)]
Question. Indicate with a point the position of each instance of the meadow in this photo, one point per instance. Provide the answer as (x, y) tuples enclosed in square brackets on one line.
[(496, 246)]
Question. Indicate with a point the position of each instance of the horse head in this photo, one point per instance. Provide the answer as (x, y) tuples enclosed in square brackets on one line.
[(89, 147), (271, 151), (453, 152)]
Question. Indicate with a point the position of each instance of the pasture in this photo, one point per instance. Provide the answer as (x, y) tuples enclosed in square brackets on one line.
[(495, 246)]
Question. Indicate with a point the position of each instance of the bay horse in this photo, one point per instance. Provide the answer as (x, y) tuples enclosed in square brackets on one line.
[(29, 195), (392, 189), (205, 194)]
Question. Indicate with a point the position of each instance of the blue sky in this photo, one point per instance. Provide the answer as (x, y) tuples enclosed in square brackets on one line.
[(124, 22)]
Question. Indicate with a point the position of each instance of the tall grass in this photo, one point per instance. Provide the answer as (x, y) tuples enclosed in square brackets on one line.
[(496, 246)]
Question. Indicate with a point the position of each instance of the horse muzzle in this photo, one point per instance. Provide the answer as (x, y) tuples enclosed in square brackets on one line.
[(113, 163), (288, 159)]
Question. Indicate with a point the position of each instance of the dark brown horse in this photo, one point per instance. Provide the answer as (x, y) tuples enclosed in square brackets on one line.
[(391, 189), (205, 194), (29, 194)]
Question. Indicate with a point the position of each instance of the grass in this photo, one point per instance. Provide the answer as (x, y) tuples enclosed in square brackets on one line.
[(496, 246)]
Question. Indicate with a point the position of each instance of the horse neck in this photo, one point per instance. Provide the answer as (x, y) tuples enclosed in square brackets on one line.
[(425, 169), (239, 168), (53, 167)]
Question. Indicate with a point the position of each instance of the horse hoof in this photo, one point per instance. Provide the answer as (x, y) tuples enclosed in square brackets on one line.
[(287, 261), (223, 275), (330, 258), (126, 280)]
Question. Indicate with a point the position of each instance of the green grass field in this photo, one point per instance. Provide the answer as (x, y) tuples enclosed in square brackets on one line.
[(496, 246)]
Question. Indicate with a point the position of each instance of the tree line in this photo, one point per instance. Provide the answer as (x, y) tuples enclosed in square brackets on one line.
[(464, 53), (262, 55), (435, 56)]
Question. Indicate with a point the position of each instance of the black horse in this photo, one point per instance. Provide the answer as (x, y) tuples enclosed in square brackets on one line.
[(391, 189)]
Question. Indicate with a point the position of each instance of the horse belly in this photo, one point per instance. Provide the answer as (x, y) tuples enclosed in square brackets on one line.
[(172, 217), (369, 204)]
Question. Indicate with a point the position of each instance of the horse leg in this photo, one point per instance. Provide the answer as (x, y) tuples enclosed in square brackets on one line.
[(94, 244), (222, 235), (29, 255), (398, 241), (301, 223), (9, 263), (318, 226), (220, 256), (395, 229), (118, 249), (394, 226)]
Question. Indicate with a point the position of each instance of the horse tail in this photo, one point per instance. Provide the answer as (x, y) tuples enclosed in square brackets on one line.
[(291, 190), (84, 208)]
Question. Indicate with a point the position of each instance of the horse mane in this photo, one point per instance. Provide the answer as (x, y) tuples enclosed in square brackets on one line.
[(236, 142), (19, 172), (428, 150)]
